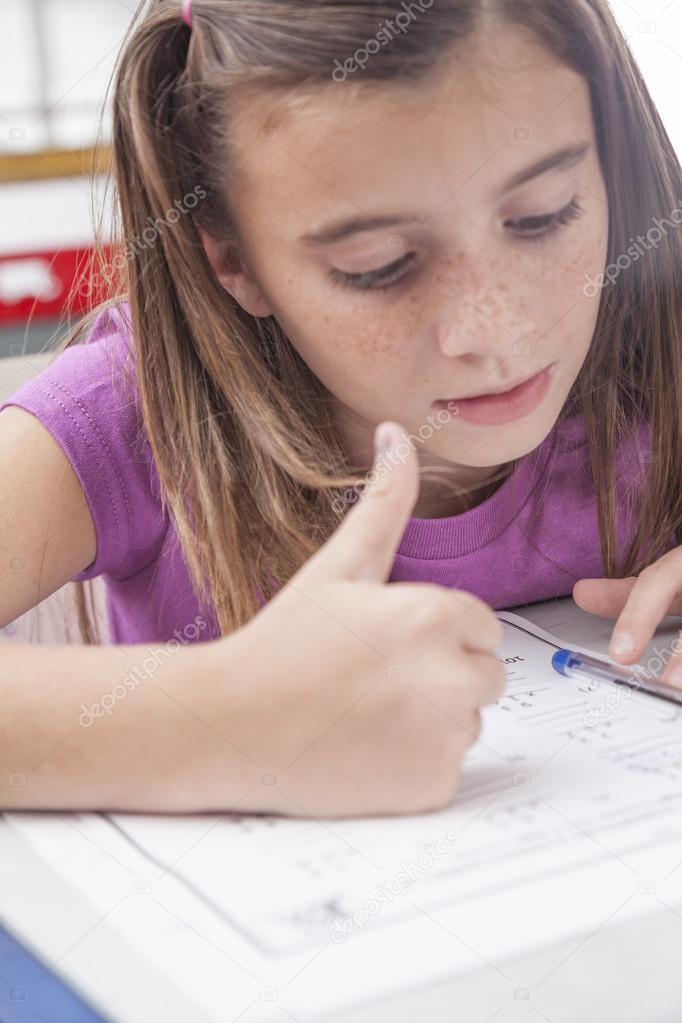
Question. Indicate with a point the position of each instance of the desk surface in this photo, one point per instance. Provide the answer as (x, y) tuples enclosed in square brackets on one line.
[(59, 927), (31, 992), (630, 972)]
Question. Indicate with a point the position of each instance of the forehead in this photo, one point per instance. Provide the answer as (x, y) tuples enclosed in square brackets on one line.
[(489, 108)]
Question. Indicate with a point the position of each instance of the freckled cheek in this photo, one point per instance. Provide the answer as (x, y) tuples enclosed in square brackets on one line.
[(588, 256), (367, 357), (369, 337), (566, 314), (559, 281), (586, 246)]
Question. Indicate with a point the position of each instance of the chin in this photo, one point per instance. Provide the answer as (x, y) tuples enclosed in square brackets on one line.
[(486, 446)]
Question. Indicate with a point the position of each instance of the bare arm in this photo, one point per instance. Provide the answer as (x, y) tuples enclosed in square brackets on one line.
[(158, 744), (47, 535), (171, 739)]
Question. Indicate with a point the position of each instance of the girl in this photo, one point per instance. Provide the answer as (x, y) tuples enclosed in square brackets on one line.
[(337, 217)]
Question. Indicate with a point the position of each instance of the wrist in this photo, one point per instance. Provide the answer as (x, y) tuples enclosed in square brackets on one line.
[(237, 711)]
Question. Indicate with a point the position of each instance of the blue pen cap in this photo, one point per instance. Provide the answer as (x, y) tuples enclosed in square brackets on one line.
[(561, 660)]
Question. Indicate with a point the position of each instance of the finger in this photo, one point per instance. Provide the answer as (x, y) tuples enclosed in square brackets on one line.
[(605, 597), (365, 544), (652, 597), (479, 628), (459, 688), (490, 676), (480, 681), (455, 618)]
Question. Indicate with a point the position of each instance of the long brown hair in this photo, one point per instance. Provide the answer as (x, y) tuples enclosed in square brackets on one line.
[(240, 428)]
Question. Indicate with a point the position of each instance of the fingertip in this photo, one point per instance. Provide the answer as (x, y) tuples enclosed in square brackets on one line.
[(583, 587), (386, 438), (623, 656), (402, 437), (393, 448)]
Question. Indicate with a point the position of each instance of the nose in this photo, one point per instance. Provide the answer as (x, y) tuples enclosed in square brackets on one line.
[(483, 328), (477, 313)]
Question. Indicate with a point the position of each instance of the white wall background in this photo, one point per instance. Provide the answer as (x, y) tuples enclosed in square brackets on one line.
[(58, 56)]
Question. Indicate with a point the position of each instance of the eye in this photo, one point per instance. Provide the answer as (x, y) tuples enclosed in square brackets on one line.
[(532, 229), (540, 228), (377, 279)]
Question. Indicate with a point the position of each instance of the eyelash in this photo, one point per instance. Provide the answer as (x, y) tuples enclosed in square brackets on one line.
[(551, 222)]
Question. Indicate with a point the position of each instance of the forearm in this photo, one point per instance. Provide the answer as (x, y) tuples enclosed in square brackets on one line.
[(135, 727)]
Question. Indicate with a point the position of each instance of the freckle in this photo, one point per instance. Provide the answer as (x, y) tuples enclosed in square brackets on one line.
[(380, 344)]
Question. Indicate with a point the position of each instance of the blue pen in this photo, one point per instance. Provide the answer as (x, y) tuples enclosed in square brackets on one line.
[(575, 665)]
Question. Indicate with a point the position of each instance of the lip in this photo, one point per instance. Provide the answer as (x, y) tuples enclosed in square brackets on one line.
[(495, 407)]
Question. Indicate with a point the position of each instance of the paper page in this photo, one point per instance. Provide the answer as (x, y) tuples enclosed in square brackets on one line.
[(569, 814), (564, 624)]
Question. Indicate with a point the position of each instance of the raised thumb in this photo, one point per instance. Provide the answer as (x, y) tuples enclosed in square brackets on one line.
[(364, 545)]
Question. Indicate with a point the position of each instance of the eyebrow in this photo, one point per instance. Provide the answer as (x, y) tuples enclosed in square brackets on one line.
[(562, 159)]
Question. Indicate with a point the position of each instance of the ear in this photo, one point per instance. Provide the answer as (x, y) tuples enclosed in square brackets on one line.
[(234, 277)]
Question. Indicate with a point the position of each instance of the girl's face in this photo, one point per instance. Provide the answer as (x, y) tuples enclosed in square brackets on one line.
[(391, 235)]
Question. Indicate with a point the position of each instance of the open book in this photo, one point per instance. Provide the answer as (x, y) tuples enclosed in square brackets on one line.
[(568, 819)]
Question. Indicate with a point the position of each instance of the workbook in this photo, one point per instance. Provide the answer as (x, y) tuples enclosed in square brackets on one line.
[(567, 820)]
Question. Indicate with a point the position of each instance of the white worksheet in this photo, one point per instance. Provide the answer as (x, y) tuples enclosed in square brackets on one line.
[(568, 818)]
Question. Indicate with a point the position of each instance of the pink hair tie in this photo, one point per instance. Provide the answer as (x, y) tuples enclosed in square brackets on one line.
[(187, 12)]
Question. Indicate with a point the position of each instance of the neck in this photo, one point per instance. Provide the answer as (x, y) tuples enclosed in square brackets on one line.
[(441, 500), (449, 490)]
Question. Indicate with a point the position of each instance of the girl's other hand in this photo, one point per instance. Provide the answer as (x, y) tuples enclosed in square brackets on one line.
[(371, 692), (639, 603)]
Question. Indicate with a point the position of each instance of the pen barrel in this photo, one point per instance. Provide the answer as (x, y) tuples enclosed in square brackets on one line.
[(576, 665)]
